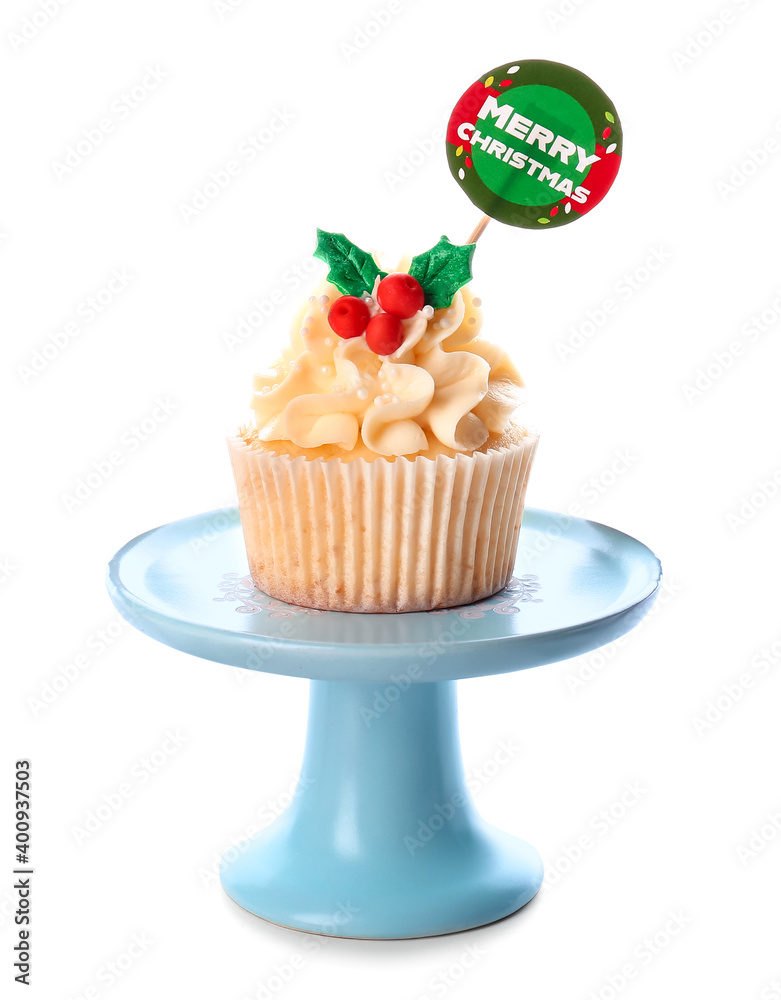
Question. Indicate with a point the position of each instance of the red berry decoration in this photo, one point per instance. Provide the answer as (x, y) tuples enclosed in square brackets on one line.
[(348, 316), (384, 334), (400, 294)]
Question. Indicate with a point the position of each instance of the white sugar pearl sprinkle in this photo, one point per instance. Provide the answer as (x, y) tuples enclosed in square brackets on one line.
[(265, 389), (395, 398), (326, 370), (428, 311), (393, 373), (362, 394), (477, 303)]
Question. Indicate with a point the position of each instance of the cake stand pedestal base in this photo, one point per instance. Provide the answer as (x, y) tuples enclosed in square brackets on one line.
[(382, 839)]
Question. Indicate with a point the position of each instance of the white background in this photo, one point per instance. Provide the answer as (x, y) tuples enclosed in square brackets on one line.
[(698, 842)]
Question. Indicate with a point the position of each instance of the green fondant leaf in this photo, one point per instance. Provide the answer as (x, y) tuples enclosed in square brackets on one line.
[(609, 117), (351, 269), (442, 270)]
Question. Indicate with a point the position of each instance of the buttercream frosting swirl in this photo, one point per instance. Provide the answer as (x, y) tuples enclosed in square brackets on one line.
[(444, 386)]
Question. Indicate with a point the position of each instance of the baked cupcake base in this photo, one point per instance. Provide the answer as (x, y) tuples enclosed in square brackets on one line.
[(382, 536)]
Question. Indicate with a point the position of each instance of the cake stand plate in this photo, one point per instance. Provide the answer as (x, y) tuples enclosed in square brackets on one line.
[(382, 839)]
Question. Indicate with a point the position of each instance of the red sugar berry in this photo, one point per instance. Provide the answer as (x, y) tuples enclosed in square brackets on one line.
[(348, 316), (400, 295), (384, 334)]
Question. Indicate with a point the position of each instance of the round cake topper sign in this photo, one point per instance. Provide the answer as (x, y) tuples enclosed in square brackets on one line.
[(534, 144)]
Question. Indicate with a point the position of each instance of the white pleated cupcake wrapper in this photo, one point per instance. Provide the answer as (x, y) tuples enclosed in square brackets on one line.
[(409, 535)]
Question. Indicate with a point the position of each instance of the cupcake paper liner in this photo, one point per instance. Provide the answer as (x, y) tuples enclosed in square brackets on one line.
[(408, 535)]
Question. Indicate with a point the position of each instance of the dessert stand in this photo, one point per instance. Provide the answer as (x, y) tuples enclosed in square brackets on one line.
[(384, 841)]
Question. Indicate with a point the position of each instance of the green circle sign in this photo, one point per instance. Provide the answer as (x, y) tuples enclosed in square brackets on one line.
[(534, 144)]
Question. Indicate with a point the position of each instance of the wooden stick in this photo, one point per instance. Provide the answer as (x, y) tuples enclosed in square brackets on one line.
[(479, 229)]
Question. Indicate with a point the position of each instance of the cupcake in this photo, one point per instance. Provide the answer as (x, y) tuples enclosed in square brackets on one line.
[(384, 466)]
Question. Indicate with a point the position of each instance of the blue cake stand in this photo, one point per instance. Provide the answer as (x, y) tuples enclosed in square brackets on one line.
[(384, 841)]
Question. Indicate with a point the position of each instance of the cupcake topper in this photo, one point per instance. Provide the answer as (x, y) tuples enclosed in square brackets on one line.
[(534, 144)]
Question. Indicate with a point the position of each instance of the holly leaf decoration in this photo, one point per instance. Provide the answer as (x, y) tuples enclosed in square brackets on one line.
[(351, 269), (442, 270)]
